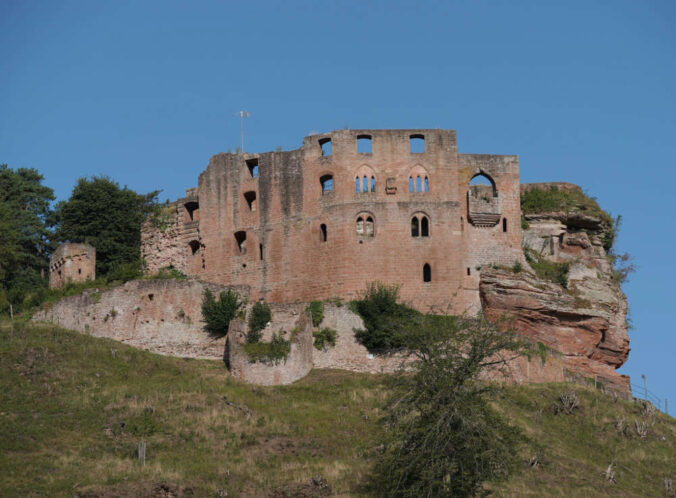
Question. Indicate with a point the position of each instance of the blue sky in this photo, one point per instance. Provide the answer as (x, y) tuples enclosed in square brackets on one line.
[(145, 92)]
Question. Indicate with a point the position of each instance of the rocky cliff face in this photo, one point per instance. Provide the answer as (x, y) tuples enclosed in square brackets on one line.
[(565, 295)]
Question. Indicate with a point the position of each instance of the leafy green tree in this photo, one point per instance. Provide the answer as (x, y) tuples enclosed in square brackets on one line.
[(24, 231), (443, 437), (108, 217)]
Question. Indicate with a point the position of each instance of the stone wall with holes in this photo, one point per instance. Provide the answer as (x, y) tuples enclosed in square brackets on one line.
[(72, 263), (256, 220), (163, 316)]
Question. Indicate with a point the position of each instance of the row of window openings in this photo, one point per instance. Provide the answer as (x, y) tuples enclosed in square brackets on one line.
[(362, 226), (361, 185), (420, 227), (365, 144)]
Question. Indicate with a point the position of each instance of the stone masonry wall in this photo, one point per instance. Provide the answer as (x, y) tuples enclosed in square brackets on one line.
[(264, 220), (296, 366), (72, 263), (163, 316)]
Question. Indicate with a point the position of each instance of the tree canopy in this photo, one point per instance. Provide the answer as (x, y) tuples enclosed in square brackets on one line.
[(106, 216), (24, 230), (443, 437)]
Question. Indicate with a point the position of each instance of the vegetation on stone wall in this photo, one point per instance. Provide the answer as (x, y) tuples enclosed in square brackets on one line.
[(218, 314), (271, 353), (162, 216), (259, 317), (316, 309), (324, 338), (385, 319)]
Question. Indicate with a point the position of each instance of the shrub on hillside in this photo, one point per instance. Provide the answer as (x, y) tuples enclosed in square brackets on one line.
[(385, 319), (258, 319), (218, 314)]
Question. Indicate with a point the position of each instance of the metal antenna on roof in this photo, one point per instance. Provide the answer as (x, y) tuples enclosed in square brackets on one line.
[(242, 115)]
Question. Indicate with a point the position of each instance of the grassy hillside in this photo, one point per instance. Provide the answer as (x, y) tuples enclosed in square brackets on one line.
[(73, 409)]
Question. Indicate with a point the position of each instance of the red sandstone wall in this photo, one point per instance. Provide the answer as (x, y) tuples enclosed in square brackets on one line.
[(290, 207), (72, 263)]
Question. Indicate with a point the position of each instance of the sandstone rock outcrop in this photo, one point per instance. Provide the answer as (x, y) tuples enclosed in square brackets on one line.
[(585, 320)]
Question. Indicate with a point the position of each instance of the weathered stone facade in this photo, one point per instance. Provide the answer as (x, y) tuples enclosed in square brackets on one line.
[(319, 223), (72, 263), (308, 224)]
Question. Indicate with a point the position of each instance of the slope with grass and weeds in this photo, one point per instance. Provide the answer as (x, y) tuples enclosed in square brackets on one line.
[(74, 408)]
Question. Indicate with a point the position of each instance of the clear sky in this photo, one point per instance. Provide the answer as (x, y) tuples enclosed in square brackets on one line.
[(145, 92)]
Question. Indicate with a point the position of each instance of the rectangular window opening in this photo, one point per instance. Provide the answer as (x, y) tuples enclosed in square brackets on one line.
[(364, 144), (417, 144), (325, 144)]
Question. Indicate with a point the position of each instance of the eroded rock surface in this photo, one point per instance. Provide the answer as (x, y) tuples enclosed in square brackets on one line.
[(585, 321)]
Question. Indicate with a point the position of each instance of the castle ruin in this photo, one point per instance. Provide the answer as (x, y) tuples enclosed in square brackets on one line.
[(72, 263), (347, 208)]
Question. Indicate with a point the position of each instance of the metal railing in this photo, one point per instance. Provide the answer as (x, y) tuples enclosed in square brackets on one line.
[(642, 392)]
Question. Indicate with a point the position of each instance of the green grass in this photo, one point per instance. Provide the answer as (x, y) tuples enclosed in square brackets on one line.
[(539, 200), (74, 407)]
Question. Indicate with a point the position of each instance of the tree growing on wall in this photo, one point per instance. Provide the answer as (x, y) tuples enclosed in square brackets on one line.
[(24, 232), (108, 217), (443, 437)]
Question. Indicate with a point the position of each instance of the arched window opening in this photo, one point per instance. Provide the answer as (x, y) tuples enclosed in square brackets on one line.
[(424, 226), (192, 208), (365, 226), (357, 185), (417, 144), (504, 224), (194, 246), (252, 164), (250, 198), (326, 182), (325, 144), (410, 184), (373, 184), (260, 251), (364, 144), (427, 185), (415, 227), (365, 184), (322, 232), (369, 228), (418, 186), (427, 273), (482, 186), (240, 239)]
